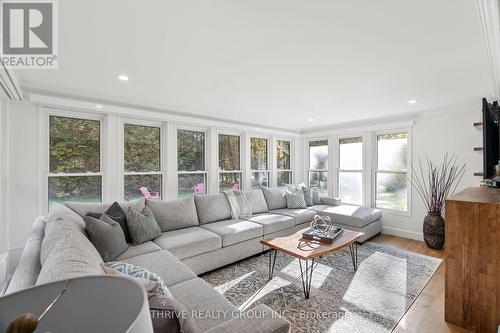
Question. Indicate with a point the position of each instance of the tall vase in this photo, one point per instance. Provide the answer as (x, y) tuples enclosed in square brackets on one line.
[(434, 231)]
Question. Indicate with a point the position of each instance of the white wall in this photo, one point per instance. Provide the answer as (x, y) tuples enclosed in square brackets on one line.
[(433, 134), (4, 231), (24, 172)]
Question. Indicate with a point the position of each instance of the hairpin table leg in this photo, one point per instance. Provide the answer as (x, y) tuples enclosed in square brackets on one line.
[(272, 262)]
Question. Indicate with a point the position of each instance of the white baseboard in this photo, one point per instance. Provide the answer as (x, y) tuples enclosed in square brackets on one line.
[(403, 233)]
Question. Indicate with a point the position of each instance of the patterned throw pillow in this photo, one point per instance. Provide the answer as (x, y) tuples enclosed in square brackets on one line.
[(142, 226), (295, 200), (137, 272)]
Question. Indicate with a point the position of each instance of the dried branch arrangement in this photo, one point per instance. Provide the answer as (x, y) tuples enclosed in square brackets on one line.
[(436, 182)]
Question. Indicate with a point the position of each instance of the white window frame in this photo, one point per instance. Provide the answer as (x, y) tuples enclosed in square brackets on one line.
[(145, 123), (52, 112), (206, 143), (275, 154), (375, 171), (338, 170), (308, 166), (268, 162), (240, 171)]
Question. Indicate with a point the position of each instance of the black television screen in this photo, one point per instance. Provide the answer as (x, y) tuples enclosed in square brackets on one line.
[(491, 144)]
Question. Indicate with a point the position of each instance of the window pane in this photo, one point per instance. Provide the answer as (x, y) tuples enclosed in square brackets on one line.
[(258, 154), (74, 145), (392, 151), (141, 148), (229, 181), (260, 179), (351, 153), (319, 179), (191, 184), (133, 183), (392, 191), (229, 152), (283, 155), (284, 177), (318, 155), (190, 150), (80, 188), (351, 187)]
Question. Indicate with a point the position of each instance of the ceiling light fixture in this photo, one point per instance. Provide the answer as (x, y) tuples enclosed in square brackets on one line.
[(412, 101), (310, 120), (98, 106), (123, 77)]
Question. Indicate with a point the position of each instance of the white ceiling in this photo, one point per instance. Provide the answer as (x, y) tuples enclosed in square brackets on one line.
[(273, 63)]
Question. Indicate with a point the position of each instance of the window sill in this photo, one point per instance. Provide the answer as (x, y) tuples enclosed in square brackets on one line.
[(395, 212)]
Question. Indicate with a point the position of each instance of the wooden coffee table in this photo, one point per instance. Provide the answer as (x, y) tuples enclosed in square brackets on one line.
[(309, 252)]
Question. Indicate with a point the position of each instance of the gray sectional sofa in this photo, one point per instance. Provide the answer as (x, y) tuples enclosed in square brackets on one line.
[(198, 235)]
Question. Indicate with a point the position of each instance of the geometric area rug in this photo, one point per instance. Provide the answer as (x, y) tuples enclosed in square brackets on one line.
[(372, 299)]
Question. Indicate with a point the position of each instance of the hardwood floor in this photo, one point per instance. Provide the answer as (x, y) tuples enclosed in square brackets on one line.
[(426, 314)]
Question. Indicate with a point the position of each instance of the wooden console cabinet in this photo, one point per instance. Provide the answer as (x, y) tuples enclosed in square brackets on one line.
[(472, 254)]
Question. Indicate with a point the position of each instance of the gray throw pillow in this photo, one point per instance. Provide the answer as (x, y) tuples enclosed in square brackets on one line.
[(315, 196), (142, 226), (308, 196), (106, 235), (169, 315), (295, 200)]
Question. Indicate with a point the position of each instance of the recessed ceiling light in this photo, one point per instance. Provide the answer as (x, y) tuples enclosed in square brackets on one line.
[(257, 129), (98, 106), (412, 101), (123, 77), (310, 120)]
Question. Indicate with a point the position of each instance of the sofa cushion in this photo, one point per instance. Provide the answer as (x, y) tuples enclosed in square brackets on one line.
[(165, 264), (260, 318), (299, 215), (142, 225), (212, 207), (71, 255), (106, 235), (59, 211), (198, 296), (272, 222), (234, 231), (60, 222), (174, 214), (349, 215), (275, 197), (137, 250), (256, 200), (185, 243), (83, 208)]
